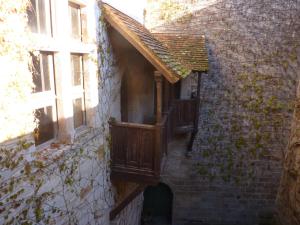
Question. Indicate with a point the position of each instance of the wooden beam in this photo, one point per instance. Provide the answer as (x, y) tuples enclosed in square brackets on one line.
[(158, 81), (199, 84), (126, 201), (144, 50)]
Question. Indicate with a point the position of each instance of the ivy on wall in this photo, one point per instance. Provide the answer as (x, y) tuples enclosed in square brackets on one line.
[(16, 85), (248, 95), (62, 183)]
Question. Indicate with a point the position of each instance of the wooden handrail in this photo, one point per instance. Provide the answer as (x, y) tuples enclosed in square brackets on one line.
[(164, 120), (133, 125), (137, 149)]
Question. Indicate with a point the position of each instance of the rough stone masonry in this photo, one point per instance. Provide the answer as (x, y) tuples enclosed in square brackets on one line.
[(247, 101)]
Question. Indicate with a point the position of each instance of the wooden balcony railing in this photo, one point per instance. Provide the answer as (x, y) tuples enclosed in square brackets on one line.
[(136, 151), (185, 115)]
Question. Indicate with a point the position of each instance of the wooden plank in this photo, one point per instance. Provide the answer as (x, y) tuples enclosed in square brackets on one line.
[(158, 149), (133, 125), (185, 112), (133, 175), (133, 151)]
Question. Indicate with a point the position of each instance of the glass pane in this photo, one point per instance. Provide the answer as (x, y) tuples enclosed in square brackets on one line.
[(41, 76), (78, 112), (45, 130), (36, 74), (46, 72), (32, 16), (75, 21), (76, 61), (42, 16)]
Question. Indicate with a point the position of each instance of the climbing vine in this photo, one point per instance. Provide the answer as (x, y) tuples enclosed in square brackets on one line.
[(250, 132), (62, 183), (248, 94), (16, 85)]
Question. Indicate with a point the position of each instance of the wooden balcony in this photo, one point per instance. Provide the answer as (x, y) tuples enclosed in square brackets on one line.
[(185, 115), (137, 149)]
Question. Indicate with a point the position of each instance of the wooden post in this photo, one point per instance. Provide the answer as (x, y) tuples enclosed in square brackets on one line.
[(199, 84), (195, 131), (158, 81), (158, 131), (198, 101)]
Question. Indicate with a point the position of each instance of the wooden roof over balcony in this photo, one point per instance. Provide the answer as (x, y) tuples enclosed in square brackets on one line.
[(152, 49), (189, 49)]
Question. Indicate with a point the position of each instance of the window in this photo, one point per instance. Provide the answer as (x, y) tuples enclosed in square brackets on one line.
[(44, 92), (58, 75), (45, 130), (43, 72), (78, 89), (75, 21), (39, 16)]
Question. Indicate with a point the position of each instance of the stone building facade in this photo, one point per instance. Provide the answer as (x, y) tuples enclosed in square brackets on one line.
[(247, 101), (55, 54), (232, 175)]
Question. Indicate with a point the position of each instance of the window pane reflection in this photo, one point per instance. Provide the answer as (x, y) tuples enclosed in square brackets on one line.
[(45, 130), (36, 73), (79, 114), (74, 13), (39, 18), (76, 63), (41, 66), (32, 16), (42, 16)]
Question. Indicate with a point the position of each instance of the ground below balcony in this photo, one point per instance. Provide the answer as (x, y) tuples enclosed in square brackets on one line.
[(158, 207)]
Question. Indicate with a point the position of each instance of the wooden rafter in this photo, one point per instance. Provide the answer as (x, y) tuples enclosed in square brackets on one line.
[(118, 24)]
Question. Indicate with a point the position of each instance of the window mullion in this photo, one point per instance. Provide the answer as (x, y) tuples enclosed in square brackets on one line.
[(42, 72), (79, 23), (37, 3), (48, 17), (51, 73)]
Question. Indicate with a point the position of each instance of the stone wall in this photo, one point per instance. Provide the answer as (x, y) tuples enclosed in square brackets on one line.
[(247, 101), (61, 183), (288, 195), (137, 75)]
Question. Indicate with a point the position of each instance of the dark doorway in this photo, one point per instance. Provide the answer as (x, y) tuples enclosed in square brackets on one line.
[(157, 208)]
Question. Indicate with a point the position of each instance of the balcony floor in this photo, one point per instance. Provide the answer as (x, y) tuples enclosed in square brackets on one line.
[(172, 162)]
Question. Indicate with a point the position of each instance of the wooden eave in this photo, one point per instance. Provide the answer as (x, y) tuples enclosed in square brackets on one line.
[(131, 37)]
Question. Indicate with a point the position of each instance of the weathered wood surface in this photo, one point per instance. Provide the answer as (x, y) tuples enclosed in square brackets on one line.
[(184, 115), (136, 152), (137, 149)]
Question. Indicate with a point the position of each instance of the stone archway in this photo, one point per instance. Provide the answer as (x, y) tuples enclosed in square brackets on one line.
[(157, 206)]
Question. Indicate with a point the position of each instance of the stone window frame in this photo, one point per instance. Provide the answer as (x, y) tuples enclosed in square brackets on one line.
[(42, 99), (35, 8), (62, 46)]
